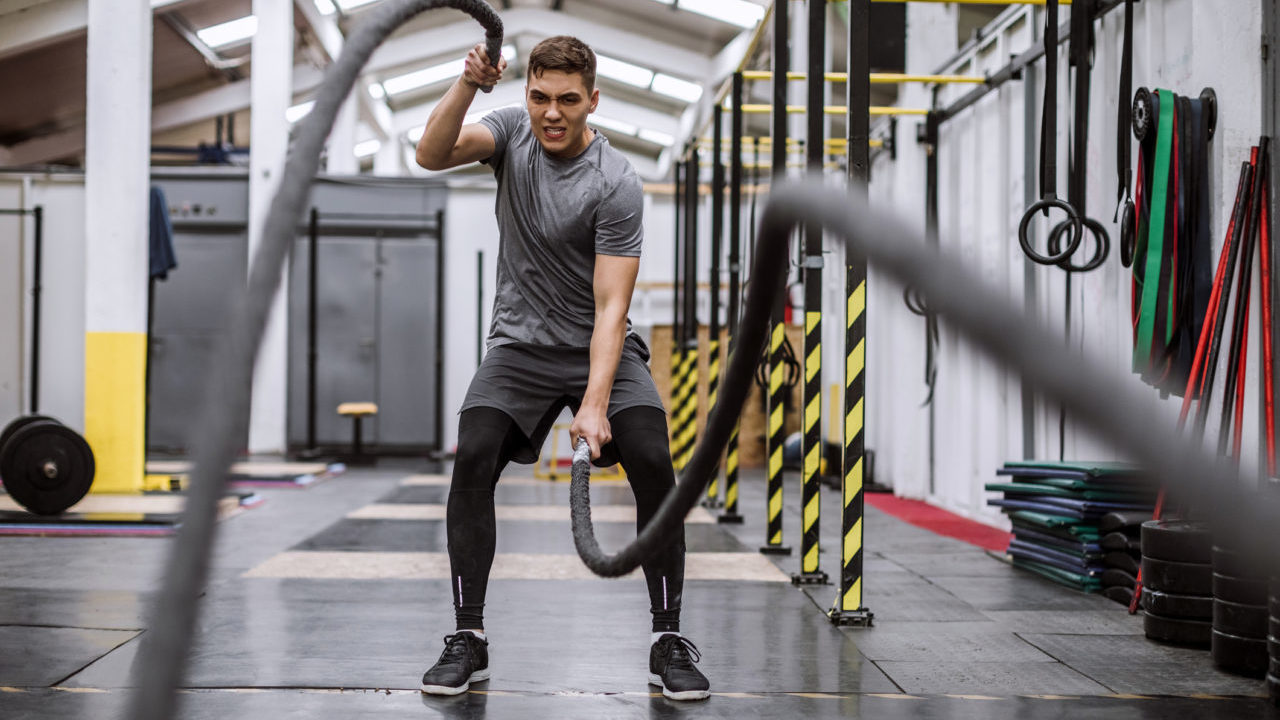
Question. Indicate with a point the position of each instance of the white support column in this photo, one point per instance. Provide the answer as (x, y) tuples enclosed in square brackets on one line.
[(269, 139), (117, 151), (342, 141)]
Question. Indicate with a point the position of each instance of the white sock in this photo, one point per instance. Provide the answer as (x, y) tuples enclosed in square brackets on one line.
[(658, 635), (477, 633)]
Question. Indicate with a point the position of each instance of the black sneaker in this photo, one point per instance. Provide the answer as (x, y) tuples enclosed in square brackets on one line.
[(671, 667), (465, 660)]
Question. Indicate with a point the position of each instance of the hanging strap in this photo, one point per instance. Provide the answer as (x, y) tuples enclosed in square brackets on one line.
[(1155, 233), (1124, 140)]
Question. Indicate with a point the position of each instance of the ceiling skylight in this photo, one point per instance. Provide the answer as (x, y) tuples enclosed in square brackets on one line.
[(325, 7), (657, 137), (434, 74), (367, 148), (621, 126), (735, 12), (299, 111), (353, 4), (229, 33), (623, 71), (676, 88)]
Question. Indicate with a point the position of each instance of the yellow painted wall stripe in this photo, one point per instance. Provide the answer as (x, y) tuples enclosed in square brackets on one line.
[(115, 366)]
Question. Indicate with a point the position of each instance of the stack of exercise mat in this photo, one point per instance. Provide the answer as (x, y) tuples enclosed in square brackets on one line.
[(1076, 523), (1198, 593)]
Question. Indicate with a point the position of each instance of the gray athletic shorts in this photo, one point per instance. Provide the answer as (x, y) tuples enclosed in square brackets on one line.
[(533, 383)]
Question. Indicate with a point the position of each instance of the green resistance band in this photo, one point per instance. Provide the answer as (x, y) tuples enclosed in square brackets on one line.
[(1155, 234)]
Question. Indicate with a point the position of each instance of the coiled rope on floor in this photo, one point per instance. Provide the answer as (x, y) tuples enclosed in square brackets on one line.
[(1100, 397), (161, 664)]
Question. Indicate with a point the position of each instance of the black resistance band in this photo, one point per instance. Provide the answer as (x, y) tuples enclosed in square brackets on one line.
[(1124, 143)]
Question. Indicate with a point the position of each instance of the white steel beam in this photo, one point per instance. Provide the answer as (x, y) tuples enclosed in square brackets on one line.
[(456, 38), (30, 24)]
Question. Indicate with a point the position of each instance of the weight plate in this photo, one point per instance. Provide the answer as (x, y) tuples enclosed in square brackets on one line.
[(1176, 540), (1120, 521), (1121, 561), (1143, 114), (1210, 100), (1184, 607), (1115, 577), (1246, 591), (1273, 603), (1273, 667), (21, 422), (1246, 621), (1122, 595), (1243, 656), (1273, 647), (1176, 577), (1273, 688), (1232, 563), (1119, 542), (1196, 633), (1273, 626), (46, 467)]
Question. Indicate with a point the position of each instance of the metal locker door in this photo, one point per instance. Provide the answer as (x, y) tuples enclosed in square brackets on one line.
[(407, 348), (346, 336)]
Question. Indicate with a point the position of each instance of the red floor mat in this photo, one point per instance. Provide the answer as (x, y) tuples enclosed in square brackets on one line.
[(923, 515)]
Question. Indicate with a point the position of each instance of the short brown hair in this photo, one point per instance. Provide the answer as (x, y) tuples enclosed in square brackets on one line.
[(568, 55)]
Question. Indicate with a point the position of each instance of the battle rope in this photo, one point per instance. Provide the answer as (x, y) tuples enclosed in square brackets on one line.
[(162, 657), (1109, 404)]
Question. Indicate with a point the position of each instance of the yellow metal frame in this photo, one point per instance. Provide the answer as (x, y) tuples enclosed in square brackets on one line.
[(552, 471), (876, 78), (876, 110)]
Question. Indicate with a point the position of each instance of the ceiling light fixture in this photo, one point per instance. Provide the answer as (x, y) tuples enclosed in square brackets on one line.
[(229, 33), (623, 71), (299, 111), (607, 123), (368, 147), (676, 88), (742, 13)]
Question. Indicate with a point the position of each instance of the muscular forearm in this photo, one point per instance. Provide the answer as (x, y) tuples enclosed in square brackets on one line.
[(606, 350), (441, 134)]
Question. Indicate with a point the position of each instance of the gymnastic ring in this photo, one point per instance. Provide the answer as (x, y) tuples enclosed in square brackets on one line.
[(1072, 217), (1102, 241), (1144, 113), (1128, 235)]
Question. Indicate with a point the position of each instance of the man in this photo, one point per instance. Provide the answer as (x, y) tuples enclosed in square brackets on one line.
[(569, 216)]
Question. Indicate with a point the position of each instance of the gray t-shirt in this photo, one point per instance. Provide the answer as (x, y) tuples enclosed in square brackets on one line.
[(554, 216)]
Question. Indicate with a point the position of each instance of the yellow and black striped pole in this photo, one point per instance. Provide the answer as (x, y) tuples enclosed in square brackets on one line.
[(848, 608), (731, 514), (811, 421), (717, 239), (689, 428), (677, 348), (774, 432)]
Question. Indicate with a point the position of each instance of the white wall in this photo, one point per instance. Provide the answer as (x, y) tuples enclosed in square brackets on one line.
[(1178, 44), (62, 299)]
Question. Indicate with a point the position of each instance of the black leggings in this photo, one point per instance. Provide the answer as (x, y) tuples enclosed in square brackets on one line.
[(487, 439)]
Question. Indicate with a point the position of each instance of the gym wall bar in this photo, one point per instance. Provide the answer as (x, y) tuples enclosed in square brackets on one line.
[(876, 78)]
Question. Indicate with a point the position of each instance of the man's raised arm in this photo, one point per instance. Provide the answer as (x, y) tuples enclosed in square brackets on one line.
[(446, 142)]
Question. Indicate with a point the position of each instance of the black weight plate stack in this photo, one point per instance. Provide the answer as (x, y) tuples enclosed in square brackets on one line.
[(1239, 616), (1273, 639), (46, 467), (1177, 577)]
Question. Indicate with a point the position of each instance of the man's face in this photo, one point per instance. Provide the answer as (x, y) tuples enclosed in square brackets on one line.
[(558, 105)]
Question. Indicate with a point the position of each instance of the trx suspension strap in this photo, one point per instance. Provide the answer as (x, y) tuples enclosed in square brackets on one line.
[(1154, 245), (1124, 175), (1049, 152)]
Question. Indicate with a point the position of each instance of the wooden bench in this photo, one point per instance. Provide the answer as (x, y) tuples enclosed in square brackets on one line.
[(357, 412)]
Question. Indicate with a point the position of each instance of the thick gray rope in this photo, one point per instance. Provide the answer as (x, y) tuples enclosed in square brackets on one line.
[(161, 664), (1107, 401)]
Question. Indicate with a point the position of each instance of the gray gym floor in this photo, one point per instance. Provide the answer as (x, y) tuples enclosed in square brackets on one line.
[(331, 602)]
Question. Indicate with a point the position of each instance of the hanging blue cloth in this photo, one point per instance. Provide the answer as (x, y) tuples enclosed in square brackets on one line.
[(163, 258)]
